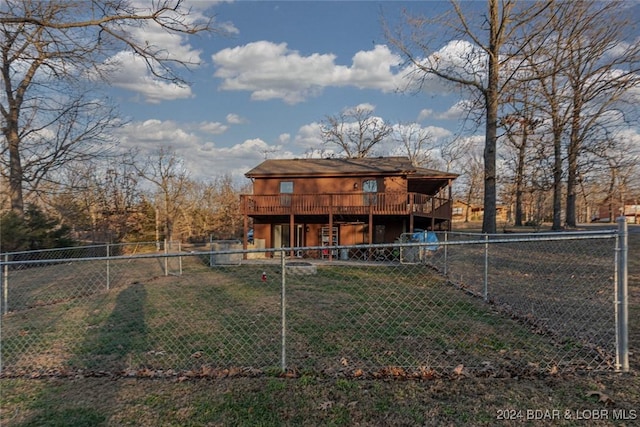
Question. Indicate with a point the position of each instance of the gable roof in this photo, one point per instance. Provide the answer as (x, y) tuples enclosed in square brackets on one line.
[(369, 166)]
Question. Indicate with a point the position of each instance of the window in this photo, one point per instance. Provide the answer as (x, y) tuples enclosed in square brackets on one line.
[(286, 188), (370, 186)]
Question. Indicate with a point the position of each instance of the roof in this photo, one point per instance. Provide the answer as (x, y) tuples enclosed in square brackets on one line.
[(369, 166)]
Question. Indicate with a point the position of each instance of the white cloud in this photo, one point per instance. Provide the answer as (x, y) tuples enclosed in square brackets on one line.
[(273, 71), (235, 119), (457, 58), (438, 133), (215, 128), (456, 111), (425, 114), (205, 158), (374, 69), (309, 137), (434, 138), (284, 138), (227, 27), (131, 73), (202, 157), (151, 133), (364, 107)]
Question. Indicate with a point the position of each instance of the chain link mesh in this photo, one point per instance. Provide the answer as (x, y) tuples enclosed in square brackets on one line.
[(486, 304)]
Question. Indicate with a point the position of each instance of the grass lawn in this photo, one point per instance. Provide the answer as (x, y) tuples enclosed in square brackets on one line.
[(322, 391)]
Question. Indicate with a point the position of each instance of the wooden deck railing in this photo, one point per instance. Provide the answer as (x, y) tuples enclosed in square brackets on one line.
[(345, 204)]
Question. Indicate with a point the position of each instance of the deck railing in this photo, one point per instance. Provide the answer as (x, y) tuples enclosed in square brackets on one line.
[(360, 203)]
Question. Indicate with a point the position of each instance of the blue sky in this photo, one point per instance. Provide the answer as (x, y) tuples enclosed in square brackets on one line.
[(262, 89)]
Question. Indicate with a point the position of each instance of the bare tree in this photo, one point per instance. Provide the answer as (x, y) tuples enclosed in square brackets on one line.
[(464, 155), (520, 125), (49, 51), (417, 143), (552, 107), (472, 173), (167, 172), (97, 197), (213, 208), (601, 68), (484, 69), (582, 68), (227, 217), (356, 131), (621, 176), (453, 152)]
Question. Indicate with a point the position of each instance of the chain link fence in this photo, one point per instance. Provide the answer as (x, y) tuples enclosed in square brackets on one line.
[(484, 305)]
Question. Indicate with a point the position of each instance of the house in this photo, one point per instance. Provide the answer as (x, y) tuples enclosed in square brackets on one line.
[(463, 212), (610, 211), (316, 202)]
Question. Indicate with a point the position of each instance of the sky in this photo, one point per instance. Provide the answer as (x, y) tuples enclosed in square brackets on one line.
[(262, 88)]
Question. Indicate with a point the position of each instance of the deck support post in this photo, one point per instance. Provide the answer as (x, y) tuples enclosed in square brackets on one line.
[(330, 227), (292, 235), (245, 227), (433, 214), (411, 212)]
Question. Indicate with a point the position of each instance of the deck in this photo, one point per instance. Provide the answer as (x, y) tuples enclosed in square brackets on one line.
[(396, 203)]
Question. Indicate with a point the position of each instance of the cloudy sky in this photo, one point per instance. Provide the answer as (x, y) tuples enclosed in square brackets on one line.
[(261, 89)]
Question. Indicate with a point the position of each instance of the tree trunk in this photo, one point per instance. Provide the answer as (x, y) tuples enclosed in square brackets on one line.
[(572, 158), (15, 172), (520, 176), (572, 174), (557, 182), (492, 101)]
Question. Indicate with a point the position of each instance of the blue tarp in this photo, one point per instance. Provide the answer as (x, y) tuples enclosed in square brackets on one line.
[(426, 237)]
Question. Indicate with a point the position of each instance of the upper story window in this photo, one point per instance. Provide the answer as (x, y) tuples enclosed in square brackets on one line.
[(370, 186), (286, 187)]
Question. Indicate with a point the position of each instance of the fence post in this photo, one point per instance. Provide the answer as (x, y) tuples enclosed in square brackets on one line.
[(283, 315), (485, 292), (180, 258), (108, 270), (622, 304), (4, 309), (166, 258), (5, 285), (446, 250)]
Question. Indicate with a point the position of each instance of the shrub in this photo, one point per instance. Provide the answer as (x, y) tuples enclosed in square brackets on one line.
[(33, 231)]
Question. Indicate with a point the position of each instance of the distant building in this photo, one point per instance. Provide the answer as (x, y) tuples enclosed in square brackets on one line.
[(463, 211), (609, 213)]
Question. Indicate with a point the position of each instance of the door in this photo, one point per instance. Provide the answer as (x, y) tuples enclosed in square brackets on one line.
[(280, 236)]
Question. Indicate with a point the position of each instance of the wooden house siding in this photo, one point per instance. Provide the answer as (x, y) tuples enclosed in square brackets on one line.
[(365, 200)]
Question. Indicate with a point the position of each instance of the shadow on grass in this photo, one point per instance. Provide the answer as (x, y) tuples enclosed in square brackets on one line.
[(113, 346), (59, 417)]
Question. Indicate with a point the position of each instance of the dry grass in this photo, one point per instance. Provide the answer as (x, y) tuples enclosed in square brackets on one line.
[(310, 399)]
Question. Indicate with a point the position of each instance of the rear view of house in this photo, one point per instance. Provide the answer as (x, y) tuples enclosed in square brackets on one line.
[(327, 202)]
